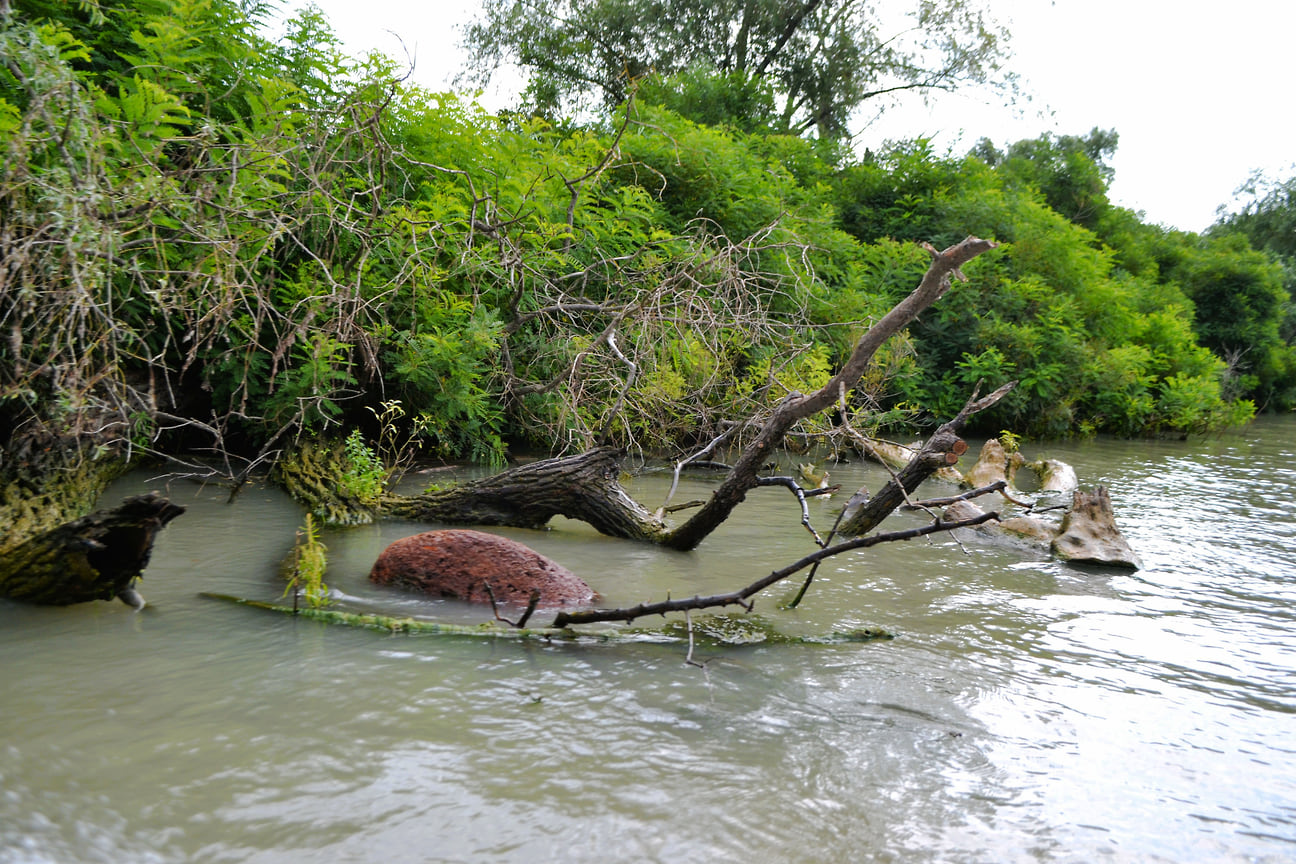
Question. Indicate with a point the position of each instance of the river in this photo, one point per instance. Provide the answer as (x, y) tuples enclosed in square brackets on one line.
[(1027, 710)]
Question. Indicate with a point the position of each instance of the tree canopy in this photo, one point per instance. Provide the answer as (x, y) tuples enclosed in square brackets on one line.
[(802, 64)]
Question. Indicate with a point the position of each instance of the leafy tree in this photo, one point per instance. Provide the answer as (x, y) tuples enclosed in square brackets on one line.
[(822, 59), (1071, 171), (1268, 219)]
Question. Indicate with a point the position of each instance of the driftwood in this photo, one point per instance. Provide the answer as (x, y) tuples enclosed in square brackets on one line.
[(95, 557), (51, 553), (492, 630), (1087, 534)]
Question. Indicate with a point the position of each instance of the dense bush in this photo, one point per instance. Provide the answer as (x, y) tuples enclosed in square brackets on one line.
[(242, 240)]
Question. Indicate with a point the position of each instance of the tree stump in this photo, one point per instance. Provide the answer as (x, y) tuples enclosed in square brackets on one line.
[(1089, 533)]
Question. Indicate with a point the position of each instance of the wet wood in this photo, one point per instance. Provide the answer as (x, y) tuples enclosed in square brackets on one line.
[(94, 557)]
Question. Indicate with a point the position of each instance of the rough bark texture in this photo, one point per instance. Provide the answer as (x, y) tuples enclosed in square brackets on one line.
[(478, 567), (584, 487), (95, 557), (50, 552), (1089, 533)]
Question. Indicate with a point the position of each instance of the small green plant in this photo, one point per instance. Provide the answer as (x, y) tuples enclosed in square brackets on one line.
[(398, 449), (1011, 442), (363, 477), (310, 557)]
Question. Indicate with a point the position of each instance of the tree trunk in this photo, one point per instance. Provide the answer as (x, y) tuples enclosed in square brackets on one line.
[(584, 487), (46, 559)]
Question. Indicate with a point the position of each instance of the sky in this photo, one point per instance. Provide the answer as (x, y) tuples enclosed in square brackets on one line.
[(1201, 95)]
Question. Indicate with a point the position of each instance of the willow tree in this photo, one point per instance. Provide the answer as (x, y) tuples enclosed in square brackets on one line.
[(822, 59)]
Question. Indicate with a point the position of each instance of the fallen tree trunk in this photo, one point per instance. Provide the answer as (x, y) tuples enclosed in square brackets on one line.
[(50, 554), (584, 486)]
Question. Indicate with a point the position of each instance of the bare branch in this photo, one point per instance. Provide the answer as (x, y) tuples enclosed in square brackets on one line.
[(739, 597)]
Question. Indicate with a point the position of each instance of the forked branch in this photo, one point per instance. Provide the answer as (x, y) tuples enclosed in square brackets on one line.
[(740, 597)]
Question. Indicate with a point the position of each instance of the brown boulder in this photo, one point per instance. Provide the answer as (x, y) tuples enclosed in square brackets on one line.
[(459, 564)]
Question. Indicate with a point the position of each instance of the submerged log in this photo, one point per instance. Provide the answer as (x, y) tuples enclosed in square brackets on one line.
[(1030, 531), (1089, 533), (53, 554), (993, 463), (1054, 475), (95, 557)]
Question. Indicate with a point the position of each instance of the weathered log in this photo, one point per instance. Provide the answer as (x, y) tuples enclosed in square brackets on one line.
[(1028, 530), (1089, 533), (993, 463), (95, 557), (493, 630), (53, 554), (585, 486), (1054, 475)]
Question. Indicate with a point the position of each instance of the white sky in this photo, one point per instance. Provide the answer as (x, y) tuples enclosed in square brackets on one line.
[(1201, 94)]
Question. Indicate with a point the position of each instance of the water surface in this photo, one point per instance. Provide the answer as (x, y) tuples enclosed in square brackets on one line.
[(1027, 710)]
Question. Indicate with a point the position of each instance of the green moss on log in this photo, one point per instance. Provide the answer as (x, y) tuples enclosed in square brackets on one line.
[(716, 629)]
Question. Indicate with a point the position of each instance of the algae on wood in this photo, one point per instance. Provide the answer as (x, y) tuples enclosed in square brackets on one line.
[(52, 555)]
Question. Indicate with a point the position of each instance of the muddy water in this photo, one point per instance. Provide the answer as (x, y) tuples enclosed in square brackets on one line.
[(1026, 711)]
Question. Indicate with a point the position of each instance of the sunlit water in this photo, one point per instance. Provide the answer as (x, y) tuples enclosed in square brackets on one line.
[(1027, 710)]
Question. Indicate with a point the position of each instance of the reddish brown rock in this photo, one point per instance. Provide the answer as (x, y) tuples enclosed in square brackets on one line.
[(459, 564)]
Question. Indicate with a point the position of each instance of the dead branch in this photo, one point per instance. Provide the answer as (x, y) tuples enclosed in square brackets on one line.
[(739, 597), (801, 496), (933, 455), (935, 283), (950, 499)]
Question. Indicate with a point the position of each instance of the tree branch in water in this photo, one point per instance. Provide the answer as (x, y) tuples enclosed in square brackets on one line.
[(739, 597)]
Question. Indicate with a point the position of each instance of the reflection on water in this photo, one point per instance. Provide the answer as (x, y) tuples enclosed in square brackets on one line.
[(1028, 710)]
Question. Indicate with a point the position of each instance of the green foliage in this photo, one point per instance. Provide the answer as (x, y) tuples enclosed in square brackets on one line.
[(268, 238), (309, 561), (820, 61), (736, 99), (363, 476)]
